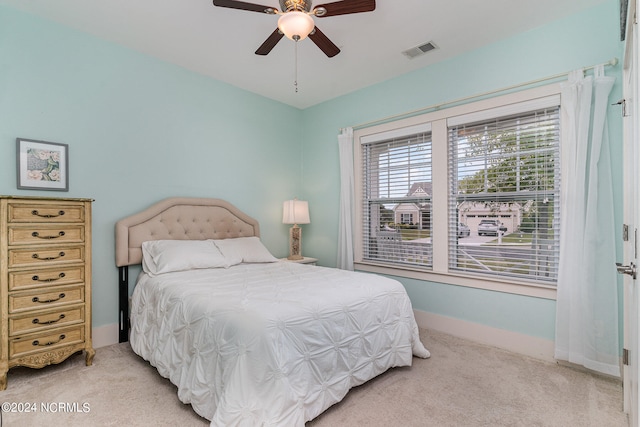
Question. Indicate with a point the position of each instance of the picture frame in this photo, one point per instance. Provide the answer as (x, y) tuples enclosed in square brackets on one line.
[(42, 165)]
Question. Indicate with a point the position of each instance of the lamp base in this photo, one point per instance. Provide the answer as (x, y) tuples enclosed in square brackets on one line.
[(295, 243)]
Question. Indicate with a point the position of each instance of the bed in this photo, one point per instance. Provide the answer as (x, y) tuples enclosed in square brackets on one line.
[(249, 339)]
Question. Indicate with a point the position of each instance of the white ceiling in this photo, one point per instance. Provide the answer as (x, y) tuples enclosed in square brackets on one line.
[(220, 42)]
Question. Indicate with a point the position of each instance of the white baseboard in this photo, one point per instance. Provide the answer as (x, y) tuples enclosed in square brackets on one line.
[(527, 345), (106, 335)]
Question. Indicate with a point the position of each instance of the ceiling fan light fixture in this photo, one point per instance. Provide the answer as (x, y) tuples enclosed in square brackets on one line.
[(296, 25)]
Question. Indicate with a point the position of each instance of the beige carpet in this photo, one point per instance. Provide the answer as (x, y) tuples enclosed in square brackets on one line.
[(463, 384)]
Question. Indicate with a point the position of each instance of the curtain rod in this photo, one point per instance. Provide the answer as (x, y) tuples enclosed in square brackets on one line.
[(613, 62)]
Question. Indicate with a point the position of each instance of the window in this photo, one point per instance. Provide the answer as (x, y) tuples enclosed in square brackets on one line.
[(466, 195), (406, 219), (506, 170), (397, 197)]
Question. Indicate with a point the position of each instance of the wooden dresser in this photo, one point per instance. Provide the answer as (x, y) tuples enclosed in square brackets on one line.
[(45, 281)]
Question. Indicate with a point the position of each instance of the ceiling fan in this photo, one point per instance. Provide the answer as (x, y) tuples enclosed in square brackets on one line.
[(296, 22)]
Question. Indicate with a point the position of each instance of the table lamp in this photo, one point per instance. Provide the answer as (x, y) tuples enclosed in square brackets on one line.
[(295, 212)]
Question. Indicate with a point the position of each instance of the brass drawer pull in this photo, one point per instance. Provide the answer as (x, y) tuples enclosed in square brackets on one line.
[(47, 301), (37, 321), (53, 279), (49, 258), (37, 343), (35, 212), (36, 234)]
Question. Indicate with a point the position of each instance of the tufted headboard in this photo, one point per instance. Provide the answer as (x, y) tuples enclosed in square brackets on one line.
[(177, 218), (180, 218)]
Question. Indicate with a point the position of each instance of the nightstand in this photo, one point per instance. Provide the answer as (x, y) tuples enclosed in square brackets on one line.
[(304, 260)]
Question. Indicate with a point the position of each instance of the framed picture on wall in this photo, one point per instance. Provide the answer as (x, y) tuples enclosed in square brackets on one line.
[(42, 165)]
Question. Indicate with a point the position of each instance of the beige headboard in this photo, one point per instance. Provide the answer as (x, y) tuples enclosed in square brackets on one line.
[(180, 218)]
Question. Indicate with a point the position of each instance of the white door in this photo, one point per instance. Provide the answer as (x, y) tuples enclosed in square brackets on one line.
[(631, 214)]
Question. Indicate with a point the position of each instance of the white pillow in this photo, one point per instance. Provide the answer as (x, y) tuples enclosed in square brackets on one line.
[(244, 249), (165, 256)]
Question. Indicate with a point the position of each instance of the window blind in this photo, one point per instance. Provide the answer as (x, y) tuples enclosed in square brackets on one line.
[(397, 190), (504, 181)]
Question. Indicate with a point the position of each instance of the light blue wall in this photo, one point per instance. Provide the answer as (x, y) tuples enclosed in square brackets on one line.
[(140, 130), (581, 40)]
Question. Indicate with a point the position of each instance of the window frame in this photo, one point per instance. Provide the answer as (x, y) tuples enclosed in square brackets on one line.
[(536, 124), (438, 119), (396, 160)]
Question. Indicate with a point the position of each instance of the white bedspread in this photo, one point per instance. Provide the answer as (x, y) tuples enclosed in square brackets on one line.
[(271, 344)]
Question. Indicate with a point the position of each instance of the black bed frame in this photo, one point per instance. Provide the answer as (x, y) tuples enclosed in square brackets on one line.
[(123, 302)]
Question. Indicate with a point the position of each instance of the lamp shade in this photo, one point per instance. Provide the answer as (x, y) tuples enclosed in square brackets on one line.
[(295, 212), (296, 25)]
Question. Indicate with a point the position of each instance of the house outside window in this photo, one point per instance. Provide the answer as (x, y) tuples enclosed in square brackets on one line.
[(427, 185)]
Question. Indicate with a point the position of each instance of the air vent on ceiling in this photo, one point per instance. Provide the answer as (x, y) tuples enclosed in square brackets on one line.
[(420, 50)]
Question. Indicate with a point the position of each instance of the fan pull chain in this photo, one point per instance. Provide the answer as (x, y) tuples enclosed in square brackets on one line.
[(295, 66)]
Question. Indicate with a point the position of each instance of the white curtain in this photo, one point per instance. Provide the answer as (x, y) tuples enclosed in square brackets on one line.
[(587, 298), (345, 223)]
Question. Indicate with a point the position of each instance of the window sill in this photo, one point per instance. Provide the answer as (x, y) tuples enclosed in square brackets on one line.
[(519, 288)]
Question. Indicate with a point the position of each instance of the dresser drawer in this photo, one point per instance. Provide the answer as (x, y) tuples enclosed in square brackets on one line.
[(38, 300), (38, 321), (36, 257), (23, 280), (46, 234), (45, 341), (42, 213)]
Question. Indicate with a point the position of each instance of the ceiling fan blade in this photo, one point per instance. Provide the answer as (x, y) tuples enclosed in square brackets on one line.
[(242, 5), (347, 6), (324, 43), (270, 43)]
